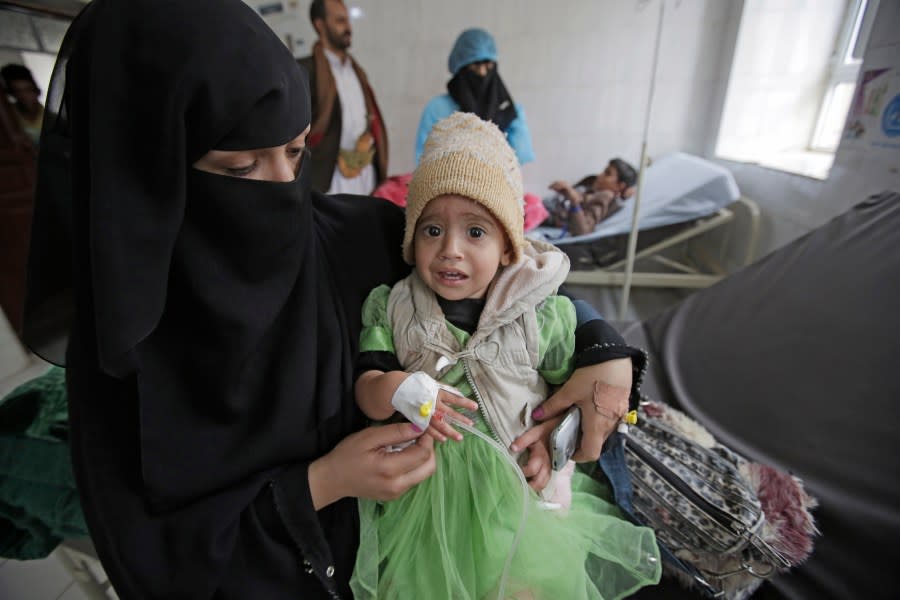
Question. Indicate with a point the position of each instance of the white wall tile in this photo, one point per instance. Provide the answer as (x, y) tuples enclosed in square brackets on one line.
[(581, 69)]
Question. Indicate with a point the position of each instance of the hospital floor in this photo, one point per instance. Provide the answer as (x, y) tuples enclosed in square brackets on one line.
[(50, 579), (44, 579)]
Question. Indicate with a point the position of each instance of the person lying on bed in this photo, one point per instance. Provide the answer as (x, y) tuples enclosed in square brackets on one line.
[(580, 208)]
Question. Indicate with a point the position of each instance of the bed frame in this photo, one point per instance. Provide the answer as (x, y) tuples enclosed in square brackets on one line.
[(698, 268)]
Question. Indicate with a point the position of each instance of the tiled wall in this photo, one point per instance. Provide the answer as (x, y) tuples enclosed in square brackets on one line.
[(581, 69)]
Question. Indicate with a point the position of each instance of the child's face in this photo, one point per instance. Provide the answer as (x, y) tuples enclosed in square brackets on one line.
[(459, 247), (608, 180)]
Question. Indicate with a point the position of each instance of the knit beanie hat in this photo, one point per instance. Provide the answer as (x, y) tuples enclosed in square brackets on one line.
[(467, 156)]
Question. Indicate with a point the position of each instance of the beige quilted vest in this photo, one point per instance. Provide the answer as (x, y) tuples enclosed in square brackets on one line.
[(501, 357)]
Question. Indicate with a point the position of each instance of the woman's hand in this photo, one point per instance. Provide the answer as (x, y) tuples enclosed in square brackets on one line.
[(537, 441), (601, 391), (360, 466)]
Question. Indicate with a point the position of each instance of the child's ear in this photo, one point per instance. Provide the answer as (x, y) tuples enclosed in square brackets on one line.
[(506, 258)]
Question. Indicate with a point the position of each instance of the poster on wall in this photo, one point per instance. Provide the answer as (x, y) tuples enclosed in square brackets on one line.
[(873, 123)]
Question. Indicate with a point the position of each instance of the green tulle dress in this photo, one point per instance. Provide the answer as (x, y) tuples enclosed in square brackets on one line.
[(452, 535), (460, 534)]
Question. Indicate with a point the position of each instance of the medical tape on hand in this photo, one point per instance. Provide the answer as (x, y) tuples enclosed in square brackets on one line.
[(415, 399)]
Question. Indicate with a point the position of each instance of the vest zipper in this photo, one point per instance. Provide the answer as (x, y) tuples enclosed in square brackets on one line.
[(480, 401)]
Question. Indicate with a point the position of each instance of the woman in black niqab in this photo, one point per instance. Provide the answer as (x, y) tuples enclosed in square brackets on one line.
[(213, 318), (208, 322)]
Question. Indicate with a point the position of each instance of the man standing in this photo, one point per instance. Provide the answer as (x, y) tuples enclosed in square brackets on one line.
[(348, 139), (24, 89)]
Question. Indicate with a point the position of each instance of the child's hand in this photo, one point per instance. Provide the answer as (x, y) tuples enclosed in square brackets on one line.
[(537, 441), (561, 187), (440, 428)]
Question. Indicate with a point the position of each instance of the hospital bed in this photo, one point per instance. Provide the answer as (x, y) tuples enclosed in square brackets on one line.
[(682, 198)]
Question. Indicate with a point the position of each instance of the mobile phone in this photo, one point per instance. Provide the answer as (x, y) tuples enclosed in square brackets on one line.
[(565, 437)]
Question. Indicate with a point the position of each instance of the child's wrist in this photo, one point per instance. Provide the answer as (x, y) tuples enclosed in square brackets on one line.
[(575, 208)]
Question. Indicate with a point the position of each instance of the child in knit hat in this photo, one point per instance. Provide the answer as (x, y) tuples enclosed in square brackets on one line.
[(479, 319)]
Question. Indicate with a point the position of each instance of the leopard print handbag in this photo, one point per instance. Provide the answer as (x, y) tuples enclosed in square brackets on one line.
[(720, 530)]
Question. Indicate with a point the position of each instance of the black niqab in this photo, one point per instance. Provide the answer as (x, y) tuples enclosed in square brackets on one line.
[(215, 319), (484, 95)]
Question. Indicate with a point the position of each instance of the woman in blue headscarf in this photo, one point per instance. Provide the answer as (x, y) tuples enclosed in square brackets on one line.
[(476, 87)]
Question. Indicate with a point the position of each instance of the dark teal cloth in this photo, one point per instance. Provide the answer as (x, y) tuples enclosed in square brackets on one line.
[(39, 505)]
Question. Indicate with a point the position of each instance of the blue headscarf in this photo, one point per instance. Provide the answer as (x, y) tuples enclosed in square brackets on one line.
[(472, 45)]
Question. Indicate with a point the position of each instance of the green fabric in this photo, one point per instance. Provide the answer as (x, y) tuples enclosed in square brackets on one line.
[(37, 408), (376, 334), (39, 504), (556, 349), (450, 536)]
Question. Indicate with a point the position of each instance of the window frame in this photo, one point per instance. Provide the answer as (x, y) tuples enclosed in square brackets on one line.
[(846, 62)]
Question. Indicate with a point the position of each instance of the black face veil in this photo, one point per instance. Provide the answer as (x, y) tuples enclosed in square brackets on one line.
[(213, 291), (139, 93), (484, 95)]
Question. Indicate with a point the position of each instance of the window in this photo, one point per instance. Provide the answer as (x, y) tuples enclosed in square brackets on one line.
[(791, 82), (846, 62)]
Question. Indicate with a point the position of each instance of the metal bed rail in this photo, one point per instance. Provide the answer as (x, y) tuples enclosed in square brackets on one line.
[(701, 270)]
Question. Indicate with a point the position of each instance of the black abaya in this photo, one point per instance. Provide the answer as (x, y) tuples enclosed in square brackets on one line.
[(215, 319)]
